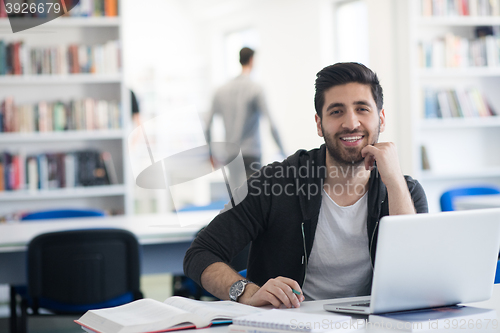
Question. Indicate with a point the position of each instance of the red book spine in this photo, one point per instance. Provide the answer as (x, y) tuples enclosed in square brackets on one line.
[(465, 8), (16, 172), (16, 61), (76, 63), (2, 176), (73, 59), (3, 11)]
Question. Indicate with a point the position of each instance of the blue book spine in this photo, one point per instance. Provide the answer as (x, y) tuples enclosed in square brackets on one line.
[(3, 58), (430, 104)]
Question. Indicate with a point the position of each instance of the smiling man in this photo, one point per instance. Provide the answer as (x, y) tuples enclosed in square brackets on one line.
[(312, 219)]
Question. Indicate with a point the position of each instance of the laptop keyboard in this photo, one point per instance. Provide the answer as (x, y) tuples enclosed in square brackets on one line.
[(362, 304)]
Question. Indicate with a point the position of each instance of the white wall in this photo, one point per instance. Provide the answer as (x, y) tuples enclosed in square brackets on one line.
[(384, 62), (288, 58), (182, 41), (296, 41), (174, 56)]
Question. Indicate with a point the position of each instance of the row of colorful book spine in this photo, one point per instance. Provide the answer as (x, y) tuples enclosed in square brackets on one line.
[(17, 58), (56, 170), (79, 8), (453, 51), (456, 103), (460, 8), (77, 115)]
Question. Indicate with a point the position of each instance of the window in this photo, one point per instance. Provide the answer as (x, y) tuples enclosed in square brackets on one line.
[(351, 31)]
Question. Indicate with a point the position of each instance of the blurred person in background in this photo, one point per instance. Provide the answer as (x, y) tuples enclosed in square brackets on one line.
[(240, 103)]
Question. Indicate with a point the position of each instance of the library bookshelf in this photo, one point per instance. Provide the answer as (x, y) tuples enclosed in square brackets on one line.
[(63, 193), (58, 79), (66, 22), (460, 145), (32, 89)]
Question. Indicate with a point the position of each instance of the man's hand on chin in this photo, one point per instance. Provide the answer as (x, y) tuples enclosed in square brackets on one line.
[(386, 156)]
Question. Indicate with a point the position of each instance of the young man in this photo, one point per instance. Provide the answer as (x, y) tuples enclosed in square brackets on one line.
[(312, 219)]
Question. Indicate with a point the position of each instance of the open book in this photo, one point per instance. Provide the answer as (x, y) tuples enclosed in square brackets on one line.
[(148, 315)]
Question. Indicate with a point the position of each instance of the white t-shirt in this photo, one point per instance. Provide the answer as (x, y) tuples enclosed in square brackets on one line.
[(339, 264)]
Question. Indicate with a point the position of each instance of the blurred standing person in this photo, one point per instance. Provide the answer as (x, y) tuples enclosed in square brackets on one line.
[(241, 102)]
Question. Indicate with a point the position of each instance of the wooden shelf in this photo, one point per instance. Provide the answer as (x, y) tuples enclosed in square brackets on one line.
[(61, 136), (430, 73), (456, 123), (64, 193), (66, 22), (60, 79), (458, 21)]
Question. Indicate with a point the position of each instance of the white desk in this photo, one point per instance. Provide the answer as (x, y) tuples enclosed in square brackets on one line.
[(162, 240), (317, 307), (477, 202)]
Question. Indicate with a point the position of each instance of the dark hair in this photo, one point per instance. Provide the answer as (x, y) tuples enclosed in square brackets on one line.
[(343, 73), (246, 54)]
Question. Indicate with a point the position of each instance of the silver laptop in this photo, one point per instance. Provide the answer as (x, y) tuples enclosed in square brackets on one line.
[(430, 260)]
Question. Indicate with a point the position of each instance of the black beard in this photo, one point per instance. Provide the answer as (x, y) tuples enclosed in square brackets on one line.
[(337, 156)]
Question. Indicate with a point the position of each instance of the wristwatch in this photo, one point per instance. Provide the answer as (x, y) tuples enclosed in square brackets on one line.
[(237, 289)]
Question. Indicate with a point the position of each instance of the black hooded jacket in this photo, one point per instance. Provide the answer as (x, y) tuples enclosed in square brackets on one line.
[(279, 216)]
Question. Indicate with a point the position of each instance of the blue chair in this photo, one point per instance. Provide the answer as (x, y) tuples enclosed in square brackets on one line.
[(448, 196), (61, 214), (497, 275), (73, 271), (216, 205)]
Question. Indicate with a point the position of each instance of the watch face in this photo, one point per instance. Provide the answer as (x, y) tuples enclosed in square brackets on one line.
[(239, 288), (236, 290)]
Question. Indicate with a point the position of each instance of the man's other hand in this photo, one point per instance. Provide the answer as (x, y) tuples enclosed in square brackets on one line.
[(276, 292)]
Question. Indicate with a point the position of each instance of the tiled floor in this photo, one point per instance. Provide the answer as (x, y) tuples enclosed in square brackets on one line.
[(158, 287)]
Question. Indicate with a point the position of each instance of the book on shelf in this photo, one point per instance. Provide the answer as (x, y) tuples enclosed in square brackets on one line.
[(430, 8), (18, 58), (175, 313), (2, 172), (431, 104), (56, 170), (76, 115), (109, 168), (450, 317), (456, 103), (81, 8), (3, 12), (95, 8), (291, 321), (425, 158), (453, 51)]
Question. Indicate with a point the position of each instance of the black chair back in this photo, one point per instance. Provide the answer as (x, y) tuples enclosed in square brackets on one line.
[(70, 271)]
